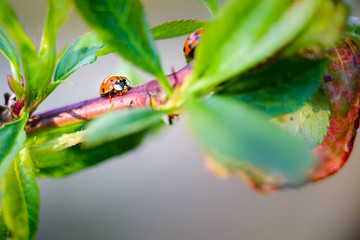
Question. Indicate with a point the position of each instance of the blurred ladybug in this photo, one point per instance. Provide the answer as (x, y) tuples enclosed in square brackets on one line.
[(114, 84), (190, 43)]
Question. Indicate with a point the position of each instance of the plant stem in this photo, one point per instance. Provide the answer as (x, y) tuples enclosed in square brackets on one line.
[(147, 95)]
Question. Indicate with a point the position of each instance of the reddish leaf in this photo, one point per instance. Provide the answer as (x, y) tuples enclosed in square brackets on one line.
[(342, 87), (16, 87)]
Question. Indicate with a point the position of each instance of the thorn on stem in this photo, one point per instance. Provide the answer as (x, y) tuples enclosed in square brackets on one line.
[(175, 76)]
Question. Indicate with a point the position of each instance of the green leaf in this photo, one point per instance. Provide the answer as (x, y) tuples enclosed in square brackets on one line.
[(311, 122), (4, 232), (245, 33), (8, 50), (82, 52), (50, 163), (123, 25), (121, 124), (280, 87), (52, 86), (244, 136), (40, 77), (10, 25), (325, 28), (20, 197), (16, 87), (53, 133), (57, 13), (12, 138), (37, 70), (26, 49), (60, 143), (211, 5), (175, 28)]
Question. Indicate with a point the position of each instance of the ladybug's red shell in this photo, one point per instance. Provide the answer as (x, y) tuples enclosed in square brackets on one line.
[(114, 84), (191, 41)]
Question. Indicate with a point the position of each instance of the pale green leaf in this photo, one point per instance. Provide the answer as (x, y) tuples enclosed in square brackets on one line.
[(121, 124), (175, 28), (325, 28), (57, 13), (41, 137), (211, 5), (12, 138), (245, 136), (311, 122), (20, 197), (245, 33)]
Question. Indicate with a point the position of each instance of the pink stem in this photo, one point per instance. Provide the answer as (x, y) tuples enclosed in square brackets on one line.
[(140, 96)]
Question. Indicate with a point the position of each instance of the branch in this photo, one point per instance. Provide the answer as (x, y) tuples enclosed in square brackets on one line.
[(141, 96)]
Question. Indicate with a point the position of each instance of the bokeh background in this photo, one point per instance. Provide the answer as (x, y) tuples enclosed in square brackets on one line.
[(161, 191)]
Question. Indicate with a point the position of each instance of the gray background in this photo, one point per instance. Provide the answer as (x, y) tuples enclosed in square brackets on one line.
[(161, 191)]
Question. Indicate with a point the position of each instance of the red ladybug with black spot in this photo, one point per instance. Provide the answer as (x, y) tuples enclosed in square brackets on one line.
[(113, 85), (191, 41)]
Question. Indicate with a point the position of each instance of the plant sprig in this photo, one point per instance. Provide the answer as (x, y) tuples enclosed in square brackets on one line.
[(249, 66)]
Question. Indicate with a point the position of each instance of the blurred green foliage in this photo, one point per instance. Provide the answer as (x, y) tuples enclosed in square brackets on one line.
[(251, 57)]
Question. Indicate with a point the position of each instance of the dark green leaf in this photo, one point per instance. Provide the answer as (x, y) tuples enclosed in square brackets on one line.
[(70, 160), (4, 232), (244, 136), (16, 87), (12, 138), (280, 87), (175, 28), (20, 197), (8, 49), (211, 5), (245, 33), (82, 52), (311, 122), (121, 124), (122, 24)]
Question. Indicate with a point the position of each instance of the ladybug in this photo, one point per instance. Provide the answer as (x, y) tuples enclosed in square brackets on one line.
[(114, 84), (191, 41)]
